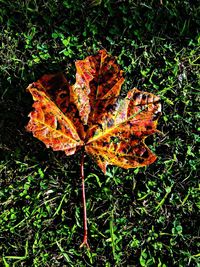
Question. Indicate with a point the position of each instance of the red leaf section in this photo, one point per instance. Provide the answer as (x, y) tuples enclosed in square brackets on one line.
[(90, 114)]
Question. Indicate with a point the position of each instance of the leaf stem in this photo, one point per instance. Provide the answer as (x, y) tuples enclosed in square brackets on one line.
[(85, 242)]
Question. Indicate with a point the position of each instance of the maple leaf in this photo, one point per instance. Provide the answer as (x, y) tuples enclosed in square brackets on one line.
[(90, 114), (116, 128)]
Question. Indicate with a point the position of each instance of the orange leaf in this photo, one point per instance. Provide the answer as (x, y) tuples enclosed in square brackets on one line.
[(91, 114)]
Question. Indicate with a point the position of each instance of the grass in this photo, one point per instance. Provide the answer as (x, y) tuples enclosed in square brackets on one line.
[(136, 217)]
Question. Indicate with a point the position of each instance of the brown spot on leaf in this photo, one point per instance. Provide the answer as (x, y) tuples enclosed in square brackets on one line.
[(148, 127), (145, 154), (140, 160), (136, 95), (63, 95), (110, 123)]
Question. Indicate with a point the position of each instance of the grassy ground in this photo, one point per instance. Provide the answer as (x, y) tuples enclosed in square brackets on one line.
[(139, 217)]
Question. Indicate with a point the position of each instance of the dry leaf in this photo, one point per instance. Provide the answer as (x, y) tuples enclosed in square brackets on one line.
[(91, 114)]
